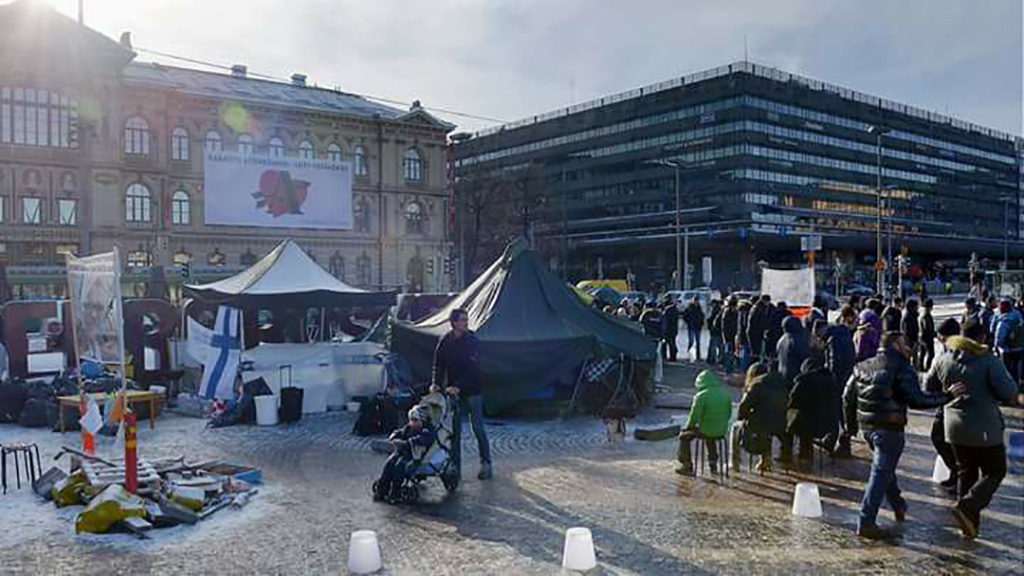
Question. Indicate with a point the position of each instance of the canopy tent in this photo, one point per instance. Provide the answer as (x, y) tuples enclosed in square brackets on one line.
[(534, 331), (286, 276)]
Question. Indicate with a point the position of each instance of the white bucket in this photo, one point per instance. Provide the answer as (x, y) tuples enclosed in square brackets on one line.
[(352, 406), (364, 552), (940, 473), (578, 553), (806, 500), (266, 410)]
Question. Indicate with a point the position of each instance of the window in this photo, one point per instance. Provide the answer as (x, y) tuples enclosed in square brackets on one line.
[(359, 155), (136, 205), (139, 259), (275, 147), (363, 270), (180, 208), (136, 136), (306, 150), (414, 218), (3, 205), (213, 142), (334, 152), (179, 144), (361, 215), (336, 266), (181, 257), (216, 258), (33, 117), (32, 210), (413, 166), (245, 145), (67, 211)]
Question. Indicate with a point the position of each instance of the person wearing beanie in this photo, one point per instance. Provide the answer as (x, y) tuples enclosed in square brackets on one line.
[(409, 444)]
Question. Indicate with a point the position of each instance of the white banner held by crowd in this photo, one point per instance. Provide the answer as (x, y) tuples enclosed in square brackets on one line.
[(277, 192), (94, 287), (794, 287)]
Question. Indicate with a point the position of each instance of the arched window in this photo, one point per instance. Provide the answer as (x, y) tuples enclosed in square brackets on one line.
[(139, 259), (136, 136), (216, 258), (136, 205), (306, 150), (361, 215), (413, 166), (336, 266), (413, 218), (363, 270), (359, 156), (245, 145), (181, 257), (180, 208), (334, 152), (213, 141), (179, 144), (275, 147)]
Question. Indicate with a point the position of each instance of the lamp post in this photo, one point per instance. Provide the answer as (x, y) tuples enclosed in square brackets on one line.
[(1006, 233), (679, 248), (880, 271)]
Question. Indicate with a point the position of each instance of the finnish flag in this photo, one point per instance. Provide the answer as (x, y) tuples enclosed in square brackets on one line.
[(222, 352)]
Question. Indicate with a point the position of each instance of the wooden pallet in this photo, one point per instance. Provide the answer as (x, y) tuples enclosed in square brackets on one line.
[(102, 475)]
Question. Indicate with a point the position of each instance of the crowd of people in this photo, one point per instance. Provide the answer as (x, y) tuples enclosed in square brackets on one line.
[(818, 383)]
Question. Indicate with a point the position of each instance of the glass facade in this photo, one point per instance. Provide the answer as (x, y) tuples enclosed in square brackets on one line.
[(760, 153)]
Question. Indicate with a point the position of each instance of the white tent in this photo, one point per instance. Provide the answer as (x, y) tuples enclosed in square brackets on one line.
[(286, 273)]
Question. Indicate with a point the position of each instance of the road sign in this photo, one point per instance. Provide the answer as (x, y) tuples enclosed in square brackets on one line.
[(810, 243)]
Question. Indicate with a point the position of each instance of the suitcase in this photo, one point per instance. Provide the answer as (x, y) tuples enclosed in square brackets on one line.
[(291, 397)]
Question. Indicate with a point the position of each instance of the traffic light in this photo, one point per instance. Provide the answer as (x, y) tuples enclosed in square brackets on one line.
[(430, 266), (186, 270)]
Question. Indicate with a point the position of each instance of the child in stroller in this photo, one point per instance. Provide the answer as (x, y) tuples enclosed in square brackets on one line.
[(421, 449)]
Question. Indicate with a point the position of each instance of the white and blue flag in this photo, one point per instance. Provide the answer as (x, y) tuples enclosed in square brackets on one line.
[(219, 350)]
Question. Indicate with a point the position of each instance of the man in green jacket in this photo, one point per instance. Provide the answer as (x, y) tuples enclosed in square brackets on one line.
[(708, 420), (973, 422)]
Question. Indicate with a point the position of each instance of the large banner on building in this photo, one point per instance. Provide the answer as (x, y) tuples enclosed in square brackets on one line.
[(94, 286), (277, 192), (794, 287)]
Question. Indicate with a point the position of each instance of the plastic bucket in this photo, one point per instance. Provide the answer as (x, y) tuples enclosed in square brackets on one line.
[(806, 500), (578, 553), (364, 552), (266, 410)]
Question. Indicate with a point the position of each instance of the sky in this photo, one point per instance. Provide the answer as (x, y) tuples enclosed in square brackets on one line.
[(508, 59)]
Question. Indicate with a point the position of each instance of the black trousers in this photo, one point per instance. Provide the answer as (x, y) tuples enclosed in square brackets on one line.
[(943, 448), (981, 471), (669, 348), (926, 354)]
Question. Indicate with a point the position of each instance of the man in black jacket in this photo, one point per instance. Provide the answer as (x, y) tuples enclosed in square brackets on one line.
[(693, 316), (669, 331), (730, 328), (910, 326), (757, 326), (876, 401), (716, 348), (457, 371), (927, 325)]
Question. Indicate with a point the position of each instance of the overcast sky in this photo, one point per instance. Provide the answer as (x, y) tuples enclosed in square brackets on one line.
[(507, 59)]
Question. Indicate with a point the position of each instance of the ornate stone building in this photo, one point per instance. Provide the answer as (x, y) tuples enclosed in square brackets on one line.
[(97, 151)]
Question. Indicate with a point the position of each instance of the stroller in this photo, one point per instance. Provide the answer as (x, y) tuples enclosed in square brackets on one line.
[(438, 460)]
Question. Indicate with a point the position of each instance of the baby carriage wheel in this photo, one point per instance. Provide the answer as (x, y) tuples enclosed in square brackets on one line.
[(450, 480), (411, 493), (378, 494)]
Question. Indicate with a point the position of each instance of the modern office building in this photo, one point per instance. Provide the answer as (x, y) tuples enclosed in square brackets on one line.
[(764, 158), (98, 150)]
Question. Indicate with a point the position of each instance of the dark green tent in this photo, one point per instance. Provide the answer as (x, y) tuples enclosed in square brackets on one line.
[(534, 332)]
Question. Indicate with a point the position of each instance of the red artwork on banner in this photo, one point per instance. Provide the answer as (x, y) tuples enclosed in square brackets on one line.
[(279, 194)]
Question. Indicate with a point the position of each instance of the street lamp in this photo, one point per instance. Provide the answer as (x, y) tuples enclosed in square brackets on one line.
[(1006, 233), (679, 256), (878, 131)]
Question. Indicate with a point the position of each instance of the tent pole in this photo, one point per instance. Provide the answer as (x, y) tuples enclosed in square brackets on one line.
[(321, 323)]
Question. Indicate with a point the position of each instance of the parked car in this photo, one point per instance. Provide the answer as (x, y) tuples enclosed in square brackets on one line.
[(635, 295), (859, 290), (704, 297), (743, 295)]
